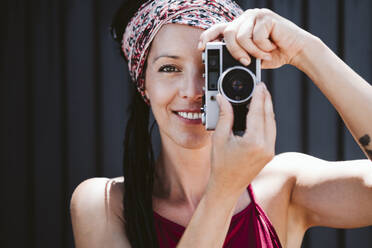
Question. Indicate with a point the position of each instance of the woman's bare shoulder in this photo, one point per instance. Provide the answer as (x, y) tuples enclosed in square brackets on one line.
[(99, 194), (287, 163), (96, 213)]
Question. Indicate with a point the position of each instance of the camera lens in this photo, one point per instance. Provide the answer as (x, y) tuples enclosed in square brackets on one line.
[(237, 84)]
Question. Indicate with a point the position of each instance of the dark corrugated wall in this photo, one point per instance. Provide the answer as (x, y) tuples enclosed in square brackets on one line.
[(63, 107)]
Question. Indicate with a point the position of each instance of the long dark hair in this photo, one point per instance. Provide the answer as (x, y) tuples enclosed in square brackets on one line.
[(138, 161)]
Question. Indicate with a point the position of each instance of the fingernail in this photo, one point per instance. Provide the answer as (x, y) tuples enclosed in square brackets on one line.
[(218, 98), (200, 45), (244, 61)]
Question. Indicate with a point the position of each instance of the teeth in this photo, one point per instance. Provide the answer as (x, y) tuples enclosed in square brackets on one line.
[(191, 116)]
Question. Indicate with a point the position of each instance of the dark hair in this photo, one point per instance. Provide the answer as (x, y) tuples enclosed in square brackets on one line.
[(138, 161), (122, 17)]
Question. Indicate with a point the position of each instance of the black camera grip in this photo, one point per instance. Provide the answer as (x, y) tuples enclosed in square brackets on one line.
[(240, 117)]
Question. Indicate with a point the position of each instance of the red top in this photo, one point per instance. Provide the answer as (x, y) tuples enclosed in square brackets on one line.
[(248, 228)]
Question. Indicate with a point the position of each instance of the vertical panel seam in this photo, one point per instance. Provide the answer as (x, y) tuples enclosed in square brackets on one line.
[(30, 111), (64, 123), (305, 105), (340, 125), (98, 89)]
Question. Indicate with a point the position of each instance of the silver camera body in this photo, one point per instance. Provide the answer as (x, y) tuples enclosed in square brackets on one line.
[(234, 81)]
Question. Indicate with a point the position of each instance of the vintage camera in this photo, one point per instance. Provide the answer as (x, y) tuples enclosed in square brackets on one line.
[(236, 82)]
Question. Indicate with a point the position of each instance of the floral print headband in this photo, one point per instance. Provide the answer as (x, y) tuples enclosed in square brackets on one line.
[(153, 14)]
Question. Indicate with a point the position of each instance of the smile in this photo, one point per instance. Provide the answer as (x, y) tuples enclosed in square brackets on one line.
[(189, 115)]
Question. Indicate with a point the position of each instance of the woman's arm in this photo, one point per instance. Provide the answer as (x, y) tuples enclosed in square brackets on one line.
[(329, 193), (211, 220), (346, 90), (333, 194), (235, 162), (277, 41)]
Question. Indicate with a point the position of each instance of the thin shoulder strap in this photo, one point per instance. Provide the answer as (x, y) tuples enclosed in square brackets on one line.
[(251, 195), (108, 185)]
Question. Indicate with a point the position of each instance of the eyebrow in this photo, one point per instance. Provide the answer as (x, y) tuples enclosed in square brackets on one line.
[(165, 56)]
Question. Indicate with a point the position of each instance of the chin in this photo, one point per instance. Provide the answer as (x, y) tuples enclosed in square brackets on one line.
[(191, 140), (194, 144)]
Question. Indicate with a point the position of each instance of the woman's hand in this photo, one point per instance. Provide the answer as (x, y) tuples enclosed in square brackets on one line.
[(237, 160), (262, 34)]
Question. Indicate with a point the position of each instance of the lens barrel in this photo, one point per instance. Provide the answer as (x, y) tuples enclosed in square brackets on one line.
[(237, 84)]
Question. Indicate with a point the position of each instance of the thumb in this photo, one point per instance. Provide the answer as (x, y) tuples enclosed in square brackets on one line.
[(226, 118)]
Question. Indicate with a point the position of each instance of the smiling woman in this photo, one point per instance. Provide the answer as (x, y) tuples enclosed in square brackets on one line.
[(215, 189), (174, 85)]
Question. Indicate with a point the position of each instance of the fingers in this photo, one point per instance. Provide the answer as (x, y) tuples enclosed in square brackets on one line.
[(261, 125), (210, 34), (225, 121), (234, 47), (255, 117), (217, 40), (247, 35), (261, 34), (275, 62), (245, 38)]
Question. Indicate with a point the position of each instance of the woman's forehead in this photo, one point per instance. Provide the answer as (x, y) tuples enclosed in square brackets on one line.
[(175, 37)]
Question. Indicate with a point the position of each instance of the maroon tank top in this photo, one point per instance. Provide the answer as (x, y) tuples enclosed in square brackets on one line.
[(249, 228)]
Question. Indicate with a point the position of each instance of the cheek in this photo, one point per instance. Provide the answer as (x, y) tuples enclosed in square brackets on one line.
[(160, 93), (160, 101)]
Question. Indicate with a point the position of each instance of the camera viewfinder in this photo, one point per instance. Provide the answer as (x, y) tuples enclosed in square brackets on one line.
[(213, 68)]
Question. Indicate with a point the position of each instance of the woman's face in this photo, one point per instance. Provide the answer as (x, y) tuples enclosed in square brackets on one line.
[(174, 85)]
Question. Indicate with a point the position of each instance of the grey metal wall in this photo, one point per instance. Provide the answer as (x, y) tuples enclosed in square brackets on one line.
[(63, 89)]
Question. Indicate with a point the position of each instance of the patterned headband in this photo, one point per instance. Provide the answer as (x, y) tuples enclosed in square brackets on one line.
[(153, 14)]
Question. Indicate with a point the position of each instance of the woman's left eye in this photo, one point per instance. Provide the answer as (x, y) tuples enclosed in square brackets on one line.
[(169, 68)]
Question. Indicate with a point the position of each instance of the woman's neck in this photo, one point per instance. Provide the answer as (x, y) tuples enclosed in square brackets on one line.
[(182, 174)]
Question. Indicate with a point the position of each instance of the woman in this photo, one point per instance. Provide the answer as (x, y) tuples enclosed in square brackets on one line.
[(214, 189)]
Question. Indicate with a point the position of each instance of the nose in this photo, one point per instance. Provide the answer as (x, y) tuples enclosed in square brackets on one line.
[(192, 86)]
